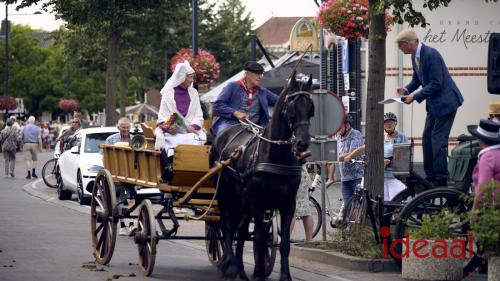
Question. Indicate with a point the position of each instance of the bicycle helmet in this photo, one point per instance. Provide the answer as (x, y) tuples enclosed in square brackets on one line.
[(390, 116)]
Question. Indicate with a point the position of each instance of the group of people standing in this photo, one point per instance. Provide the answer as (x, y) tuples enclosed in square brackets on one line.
[(30, 137)]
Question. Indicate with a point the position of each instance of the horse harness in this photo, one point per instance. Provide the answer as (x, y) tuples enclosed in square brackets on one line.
[(257, 132)]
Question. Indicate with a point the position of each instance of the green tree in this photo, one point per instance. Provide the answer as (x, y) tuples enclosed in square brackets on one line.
[(229, 37)]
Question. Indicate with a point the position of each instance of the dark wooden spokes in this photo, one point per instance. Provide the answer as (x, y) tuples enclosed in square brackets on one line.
[(102, 222), (145, 237), (214, 246), (272, 244), (432, 202)]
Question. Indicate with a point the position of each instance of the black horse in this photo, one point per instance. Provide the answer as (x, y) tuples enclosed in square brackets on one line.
[(265, 177)]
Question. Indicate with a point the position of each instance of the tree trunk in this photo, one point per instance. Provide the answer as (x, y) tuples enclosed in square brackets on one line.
[(374, 173), (111, 77), (123, 92)]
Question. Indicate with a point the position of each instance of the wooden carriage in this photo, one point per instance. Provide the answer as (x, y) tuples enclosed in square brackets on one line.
[(128, 171)]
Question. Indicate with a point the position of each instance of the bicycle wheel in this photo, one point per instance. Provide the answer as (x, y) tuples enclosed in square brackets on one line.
[(49, 173), (354, 212), (316, 215), (432, 202)]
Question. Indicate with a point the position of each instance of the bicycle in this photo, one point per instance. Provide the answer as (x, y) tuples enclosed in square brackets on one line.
[(316, 210), (49, 173)]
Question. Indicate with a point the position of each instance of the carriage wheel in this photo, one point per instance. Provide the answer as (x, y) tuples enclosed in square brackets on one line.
[(431, 202), (102, 222), (272, 246), (145, 237), (214, 245)]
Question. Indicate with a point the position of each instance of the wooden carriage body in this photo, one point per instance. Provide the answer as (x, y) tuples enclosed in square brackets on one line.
[(142, 168)]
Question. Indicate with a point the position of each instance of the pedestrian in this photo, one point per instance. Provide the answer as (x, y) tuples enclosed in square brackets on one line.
[(123, 136), (83, 122), (8, 141), (349, 139), (442, 101), (180, 118), (15, 125), (32, 143), (302, 206), (488, 164), (64, 138), (243, 99)]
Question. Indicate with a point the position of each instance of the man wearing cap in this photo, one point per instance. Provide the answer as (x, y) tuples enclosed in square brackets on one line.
[(243, 99), (443, 99)]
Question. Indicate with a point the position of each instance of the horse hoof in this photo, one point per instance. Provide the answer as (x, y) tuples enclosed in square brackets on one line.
[(231, 272)]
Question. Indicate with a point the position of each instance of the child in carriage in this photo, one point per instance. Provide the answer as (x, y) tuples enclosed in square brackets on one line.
[(180, 118)]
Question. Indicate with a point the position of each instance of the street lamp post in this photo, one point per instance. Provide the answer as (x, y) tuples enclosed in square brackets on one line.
[(6, 63)]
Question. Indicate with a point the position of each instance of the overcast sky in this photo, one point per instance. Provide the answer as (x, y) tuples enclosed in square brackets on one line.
[(261, 11)]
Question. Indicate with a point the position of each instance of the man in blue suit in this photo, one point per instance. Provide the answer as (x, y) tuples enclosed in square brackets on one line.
[(243, 99), (443, 99)]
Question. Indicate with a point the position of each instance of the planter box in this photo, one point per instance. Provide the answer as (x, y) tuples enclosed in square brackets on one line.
[(431, 268), (494, 269)]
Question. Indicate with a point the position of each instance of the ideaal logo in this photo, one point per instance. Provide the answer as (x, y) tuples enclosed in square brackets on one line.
[(440, 248)]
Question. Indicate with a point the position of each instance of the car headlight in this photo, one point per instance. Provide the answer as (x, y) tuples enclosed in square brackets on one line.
[(94, 168)]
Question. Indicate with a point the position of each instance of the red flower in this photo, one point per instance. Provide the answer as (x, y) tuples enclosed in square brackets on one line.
[(8, 103), (347, 18), (68, 105), (204, 64)]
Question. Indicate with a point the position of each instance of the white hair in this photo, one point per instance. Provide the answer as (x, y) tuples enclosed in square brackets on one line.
[(31, 120)]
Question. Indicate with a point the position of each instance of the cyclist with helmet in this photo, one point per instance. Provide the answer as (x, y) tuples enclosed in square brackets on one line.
[(348, 140), (392, 185)]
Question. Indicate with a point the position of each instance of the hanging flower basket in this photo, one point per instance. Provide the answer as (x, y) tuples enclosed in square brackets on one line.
[(68, 105), (347, 18), (8, 103), (204, 64)]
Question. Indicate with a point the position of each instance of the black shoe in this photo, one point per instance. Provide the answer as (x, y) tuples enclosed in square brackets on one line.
[(34, 176), (28, 177), (12, 174)]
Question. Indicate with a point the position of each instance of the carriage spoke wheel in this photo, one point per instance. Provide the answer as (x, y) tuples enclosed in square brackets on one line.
[(213, 244), (272, 246), (102, 222), (431, 202), (145, 237)]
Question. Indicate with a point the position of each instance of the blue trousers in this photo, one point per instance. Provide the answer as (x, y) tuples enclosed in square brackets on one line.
[(435, 146), (348, 188)]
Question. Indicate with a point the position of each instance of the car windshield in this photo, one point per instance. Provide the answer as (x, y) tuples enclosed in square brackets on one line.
[(94, 140)]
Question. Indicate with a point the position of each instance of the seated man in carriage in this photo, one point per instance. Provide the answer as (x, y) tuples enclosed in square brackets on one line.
[(243, 99), (180, 118)]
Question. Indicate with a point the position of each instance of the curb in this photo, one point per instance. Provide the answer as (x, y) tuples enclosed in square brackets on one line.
[(342, 260)]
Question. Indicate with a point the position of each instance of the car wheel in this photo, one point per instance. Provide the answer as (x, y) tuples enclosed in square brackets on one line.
[(79, 191), (61, 193)]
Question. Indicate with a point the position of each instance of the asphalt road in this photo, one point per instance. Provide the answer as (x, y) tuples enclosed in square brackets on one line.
[(43, 238)]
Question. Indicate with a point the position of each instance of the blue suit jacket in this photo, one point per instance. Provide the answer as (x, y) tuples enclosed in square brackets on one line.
[(230, 100), (440, 91)]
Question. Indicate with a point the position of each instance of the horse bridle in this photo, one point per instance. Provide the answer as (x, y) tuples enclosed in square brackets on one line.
[(284, 112)]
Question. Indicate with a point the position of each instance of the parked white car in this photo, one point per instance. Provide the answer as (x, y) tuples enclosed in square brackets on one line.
[(78, 166)]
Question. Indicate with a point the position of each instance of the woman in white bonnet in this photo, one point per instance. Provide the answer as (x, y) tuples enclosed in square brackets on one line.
[(180, 97)]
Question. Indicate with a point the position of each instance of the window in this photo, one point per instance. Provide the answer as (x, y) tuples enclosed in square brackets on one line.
[(93, 141)]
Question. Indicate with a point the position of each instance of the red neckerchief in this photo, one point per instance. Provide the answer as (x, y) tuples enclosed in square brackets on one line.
[(248, 91)]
